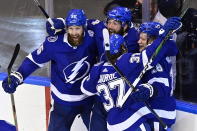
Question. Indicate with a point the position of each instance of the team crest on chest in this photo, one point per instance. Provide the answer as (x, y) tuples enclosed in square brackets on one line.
[(76, 70)]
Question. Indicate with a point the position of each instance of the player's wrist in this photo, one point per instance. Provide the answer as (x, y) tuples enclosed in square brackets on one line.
[(18, 75)]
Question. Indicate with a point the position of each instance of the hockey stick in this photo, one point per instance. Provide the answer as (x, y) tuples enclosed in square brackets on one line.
[(43, 11), (47, 16), (15, 54)]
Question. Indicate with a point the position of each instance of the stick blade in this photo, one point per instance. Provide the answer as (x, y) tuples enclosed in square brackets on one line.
[(15, 54)]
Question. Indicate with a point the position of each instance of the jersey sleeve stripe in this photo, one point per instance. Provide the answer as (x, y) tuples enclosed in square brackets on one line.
[(159, 80), (31, 58), (138, 115), (144, 58), (83, 89)]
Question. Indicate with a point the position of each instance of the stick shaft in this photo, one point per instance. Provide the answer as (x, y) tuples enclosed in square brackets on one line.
[(15, 54), (44, 12), (14, 111), (41, 8)]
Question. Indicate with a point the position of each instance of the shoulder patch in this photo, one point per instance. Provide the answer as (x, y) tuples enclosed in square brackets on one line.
[(95, 22), (52, 38), (91, 33), (135, 58)]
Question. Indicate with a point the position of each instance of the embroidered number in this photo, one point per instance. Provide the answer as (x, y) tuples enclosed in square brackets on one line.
[(135, 58), (117, 83), (95, 22)]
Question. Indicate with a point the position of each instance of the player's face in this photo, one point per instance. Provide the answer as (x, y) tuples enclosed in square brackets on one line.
[(75, 35), (114, 26), (142, 41)]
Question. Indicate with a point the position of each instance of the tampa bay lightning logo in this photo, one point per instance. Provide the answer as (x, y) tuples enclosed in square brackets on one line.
[(76, 70)]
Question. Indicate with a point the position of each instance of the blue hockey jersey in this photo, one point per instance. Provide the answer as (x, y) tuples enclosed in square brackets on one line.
[(133, 114), (131, 37), (5, 126), (69, 65), (105, 82), (163, 103)]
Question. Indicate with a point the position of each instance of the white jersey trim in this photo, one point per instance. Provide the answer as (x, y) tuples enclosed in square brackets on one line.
[(159, 80), (67, 97), (166, 114), (83, 89), (137, 115), (66, 41), (144, 58), (31, 58), (142, 127), (156, 126)]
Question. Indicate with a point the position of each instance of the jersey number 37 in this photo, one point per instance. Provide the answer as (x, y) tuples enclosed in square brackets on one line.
[(106, 88)]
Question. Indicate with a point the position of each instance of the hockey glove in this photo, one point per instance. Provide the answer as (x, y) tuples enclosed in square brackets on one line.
[(57, 27), (15, 79), (173, 23), (143, 93)]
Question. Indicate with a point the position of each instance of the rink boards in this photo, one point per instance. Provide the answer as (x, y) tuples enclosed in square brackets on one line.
[(32, 101)]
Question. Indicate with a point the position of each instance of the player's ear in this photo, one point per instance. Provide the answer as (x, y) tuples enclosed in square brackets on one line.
[(126, 26)]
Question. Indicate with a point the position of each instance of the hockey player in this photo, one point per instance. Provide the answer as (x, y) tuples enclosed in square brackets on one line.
[(158, 79), (118, 21), (110, 87), (71, 54)]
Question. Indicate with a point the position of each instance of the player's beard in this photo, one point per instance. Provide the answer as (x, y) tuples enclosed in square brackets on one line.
[(120, 32), (75, 40)]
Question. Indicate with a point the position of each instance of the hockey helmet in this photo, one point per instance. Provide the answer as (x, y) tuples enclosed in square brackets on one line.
[(121, 14), (151, 28), (76, 17), (116, 41)]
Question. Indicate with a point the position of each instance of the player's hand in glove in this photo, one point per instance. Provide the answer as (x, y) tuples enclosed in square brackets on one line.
[(57, 27), (143, 92), (10, 85), (172, 23)]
